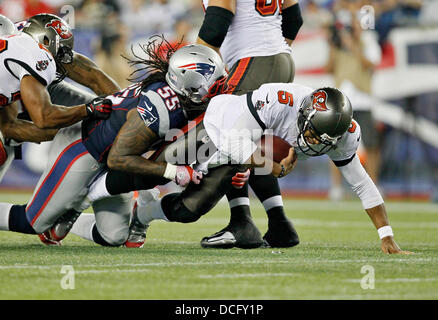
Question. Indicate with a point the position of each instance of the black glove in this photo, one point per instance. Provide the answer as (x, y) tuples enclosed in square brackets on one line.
[(99, 108)]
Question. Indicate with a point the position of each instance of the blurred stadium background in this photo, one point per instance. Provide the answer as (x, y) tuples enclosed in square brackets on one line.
[(403, 36)]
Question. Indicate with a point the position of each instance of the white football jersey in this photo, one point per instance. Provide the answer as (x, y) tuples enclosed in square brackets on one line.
[(276, 105), (255, 31), (21, 55)]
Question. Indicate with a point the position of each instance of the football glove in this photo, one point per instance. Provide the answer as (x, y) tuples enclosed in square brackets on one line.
[(240, 178), (99, 108), (186, 174)]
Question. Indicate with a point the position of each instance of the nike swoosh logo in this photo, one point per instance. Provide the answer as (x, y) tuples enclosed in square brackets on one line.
[(147, 106), (225, 238)]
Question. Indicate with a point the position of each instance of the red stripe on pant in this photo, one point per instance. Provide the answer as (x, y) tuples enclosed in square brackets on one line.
[(52, 181), (237, 74)]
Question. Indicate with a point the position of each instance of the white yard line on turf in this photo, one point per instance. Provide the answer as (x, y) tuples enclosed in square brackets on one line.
[(246, 275), (228, 262)]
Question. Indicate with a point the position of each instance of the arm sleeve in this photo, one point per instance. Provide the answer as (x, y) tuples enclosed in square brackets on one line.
[(215, 26), (361, 183), (291, 21)]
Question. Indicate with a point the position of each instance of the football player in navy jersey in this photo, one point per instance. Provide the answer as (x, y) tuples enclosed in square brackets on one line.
[(142, 114)]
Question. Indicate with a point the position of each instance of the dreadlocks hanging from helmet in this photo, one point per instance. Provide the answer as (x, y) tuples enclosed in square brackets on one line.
[(194, 84)]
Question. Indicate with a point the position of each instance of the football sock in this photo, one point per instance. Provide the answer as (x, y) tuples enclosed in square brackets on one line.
[(18, 221), (274, 208), (152, 211), (83, 227), (239, 208), (5, 209), (267, 190), (239, 204)]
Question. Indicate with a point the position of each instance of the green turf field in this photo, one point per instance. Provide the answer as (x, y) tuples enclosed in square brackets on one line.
[(337, 241)]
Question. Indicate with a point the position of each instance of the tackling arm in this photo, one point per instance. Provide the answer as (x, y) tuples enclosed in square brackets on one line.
[(22, 130), (86, 72), (42, 112), (133, 140), (46, 115), (359, 180)]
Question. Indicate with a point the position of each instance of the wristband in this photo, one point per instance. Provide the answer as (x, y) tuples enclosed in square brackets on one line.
[(170, 172), (283, 169), (385, 232)]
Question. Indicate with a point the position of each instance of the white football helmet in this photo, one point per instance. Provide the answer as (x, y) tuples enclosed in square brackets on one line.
[(193, 70), (7, 27)]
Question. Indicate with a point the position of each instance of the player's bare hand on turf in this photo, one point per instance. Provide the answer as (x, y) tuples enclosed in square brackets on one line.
[(389, 246), (288, 163)]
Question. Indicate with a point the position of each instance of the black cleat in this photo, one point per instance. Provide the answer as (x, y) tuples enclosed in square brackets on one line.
[(243, 235), (280, 234)]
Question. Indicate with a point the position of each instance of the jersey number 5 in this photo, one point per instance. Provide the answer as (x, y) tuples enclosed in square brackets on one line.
[(267, 7), (285, 97)]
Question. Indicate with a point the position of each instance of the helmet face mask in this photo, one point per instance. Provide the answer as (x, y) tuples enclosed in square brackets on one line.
[(194, 70), (325, 142), (324, 116)]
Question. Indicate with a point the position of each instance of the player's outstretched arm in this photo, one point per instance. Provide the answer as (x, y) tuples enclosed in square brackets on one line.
[(361, 183), (22, 130), (46, 115), (133, 140), (379, 217), (84, 71)]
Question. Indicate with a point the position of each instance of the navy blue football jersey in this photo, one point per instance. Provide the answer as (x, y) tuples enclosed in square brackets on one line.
[(157, 105)]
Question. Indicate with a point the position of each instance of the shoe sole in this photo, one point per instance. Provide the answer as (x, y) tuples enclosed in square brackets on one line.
[(133, 245)]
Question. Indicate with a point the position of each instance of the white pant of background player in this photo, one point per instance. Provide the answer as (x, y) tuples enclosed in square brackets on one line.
[(64, 185)]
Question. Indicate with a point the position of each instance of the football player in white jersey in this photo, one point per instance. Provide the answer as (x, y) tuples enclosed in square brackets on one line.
[(314, 122), (254, 38), (30, 61)]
